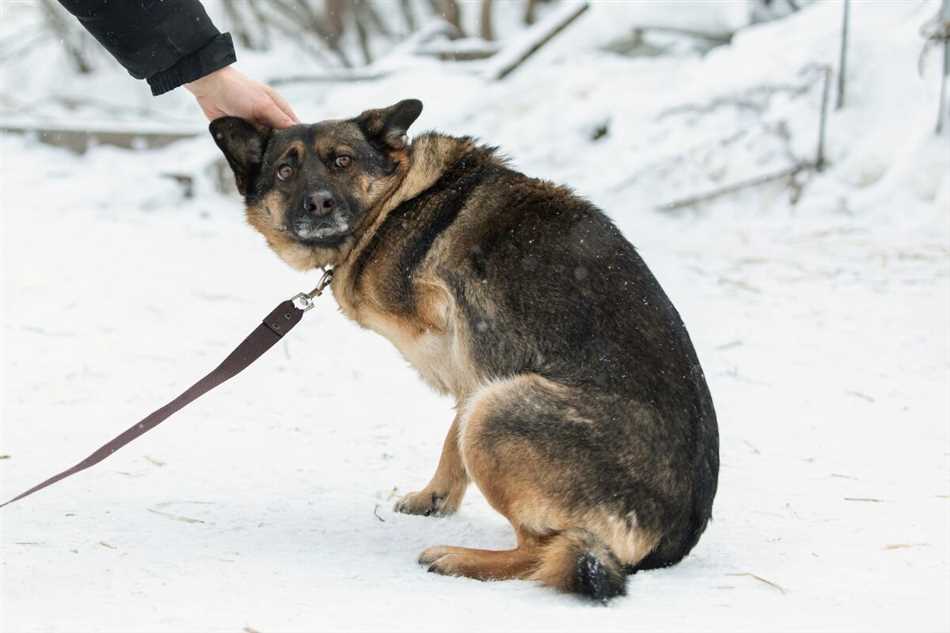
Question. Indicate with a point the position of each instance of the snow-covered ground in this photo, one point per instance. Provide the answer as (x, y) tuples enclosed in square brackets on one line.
[(823, 327)]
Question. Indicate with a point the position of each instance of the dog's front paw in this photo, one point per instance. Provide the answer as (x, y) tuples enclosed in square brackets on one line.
[(427, 503)]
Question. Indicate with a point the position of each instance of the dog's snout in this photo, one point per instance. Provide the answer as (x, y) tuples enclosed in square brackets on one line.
[(319, 203)]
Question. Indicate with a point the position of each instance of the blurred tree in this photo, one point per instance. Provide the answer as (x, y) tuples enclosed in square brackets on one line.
[(69, 33)]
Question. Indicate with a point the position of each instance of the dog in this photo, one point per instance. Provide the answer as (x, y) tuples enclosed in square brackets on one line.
[(583, 414)]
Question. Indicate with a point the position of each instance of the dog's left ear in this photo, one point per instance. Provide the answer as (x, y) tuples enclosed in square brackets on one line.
[(389, 125), (243, 144)]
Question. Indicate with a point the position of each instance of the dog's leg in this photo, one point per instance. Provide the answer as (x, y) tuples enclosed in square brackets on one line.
[(484, 564), (528, 449), (444, 493)]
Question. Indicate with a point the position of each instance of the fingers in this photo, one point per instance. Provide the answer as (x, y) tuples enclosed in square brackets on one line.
[(283, 105), (267, 113)]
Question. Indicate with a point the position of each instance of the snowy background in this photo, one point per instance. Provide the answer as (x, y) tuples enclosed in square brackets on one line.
[(820, 310)]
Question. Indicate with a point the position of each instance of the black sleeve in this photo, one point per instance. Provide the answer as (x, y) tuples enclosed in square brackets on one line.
[(167, 42)]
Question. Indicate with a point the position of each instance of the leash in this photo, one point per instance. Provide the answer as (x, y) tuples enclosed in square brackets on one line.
[(273, 328)]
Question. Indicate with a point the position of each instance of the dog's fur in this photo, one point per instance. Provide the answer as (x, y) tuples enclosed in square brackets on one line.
[(583, 414)]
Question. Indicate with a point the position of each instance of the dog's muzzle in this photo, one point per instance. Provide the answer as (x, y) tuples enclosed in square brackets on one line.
[(322, 219)]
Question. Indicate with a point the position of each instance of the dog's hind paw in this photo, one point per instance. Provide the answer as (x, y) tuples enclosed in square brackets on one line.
[(432, 554), (427, 503)]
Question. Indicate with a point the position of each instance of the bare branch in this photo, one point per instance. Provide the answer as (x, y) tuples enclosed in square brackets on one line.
[(362, 33), (67, 33), (820, 152), (449, 10), (260, 19), (375, 19), (843, 57), (335, 10), (237, 24), (945, 19), (407, 15), (487, 32), (530, 11), (537, 36)]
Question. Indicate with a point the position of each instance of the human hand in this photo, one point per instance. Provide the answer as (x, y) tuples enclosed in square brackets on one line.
[(228, 92)]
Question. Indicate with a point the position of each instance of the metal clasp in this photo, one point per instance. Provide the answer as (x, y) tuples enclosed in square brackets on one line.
[(304, 300)]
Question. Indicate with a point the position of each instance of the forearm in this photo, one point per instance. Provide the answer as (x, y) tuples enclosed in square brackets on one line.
[(167, 42)]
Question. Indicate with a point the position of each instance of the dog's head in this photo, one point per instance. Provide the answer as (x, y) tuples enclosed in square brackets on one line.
[(311, 189)]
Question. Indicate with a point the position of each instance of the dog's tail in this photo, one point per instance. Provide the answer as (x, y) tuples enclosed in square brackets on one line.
[(576, 561)]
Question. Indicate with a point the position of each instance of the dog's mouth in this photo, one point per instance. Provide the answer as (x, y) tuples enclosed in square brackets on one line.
[(324, 232)]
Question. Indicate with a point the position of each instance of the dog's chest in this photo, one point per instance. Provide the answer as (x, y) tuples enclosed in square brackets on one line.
[(430, 337)]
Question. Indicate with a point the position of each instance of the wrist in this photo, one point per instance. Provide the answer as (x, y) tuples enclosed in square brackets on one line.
[(208, 84)]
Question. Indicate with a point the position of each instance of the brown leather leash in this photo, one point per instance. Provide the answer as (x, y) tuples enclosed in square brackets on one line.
[(273, 328)]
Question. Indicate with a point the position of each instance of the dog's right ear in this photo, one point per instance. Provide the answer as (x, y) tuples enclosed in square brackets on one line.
[(243, 144), (389, 125)]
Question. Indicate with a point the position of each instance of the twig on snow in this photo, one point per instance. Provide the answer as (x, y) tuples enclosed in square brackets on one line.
[(774, 585), (175, 517)]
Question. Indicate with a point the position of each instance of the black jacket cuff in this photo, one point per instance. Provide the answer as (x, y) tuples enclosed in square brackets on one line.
[(215, 55)]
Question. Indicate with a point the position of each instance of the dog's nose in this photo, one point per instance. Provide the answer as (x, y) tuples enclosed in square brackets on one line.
[(319, 203)]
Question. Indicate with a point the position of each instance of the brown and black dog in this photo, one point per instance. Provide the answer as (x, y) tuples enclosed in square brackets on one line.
[(583, 414)]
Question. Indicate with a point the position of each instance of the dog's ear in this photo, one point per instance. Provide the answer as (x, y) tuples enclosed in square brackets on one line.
[(389, 125), (243, 144)]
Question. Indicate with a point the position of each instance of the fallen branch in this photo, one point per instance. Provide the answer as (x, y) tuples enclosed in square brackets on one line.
[(724, 37), (537, 36), (461, 50), (80, 139), (175, 517), (12, 48), (755, 99), (340, 76), (789, 172)]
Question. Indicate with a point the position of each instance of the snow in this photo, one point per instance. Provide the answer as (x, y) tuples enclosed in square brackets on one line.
[(822, 328)]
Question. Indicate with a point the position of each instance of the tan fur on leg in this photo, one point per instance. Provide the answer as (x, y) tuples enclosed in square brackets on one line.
[(481, 564), (443, 494)]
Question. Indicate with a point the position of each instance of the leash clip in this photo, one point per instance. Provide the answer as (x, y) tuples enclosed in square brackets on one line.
[(304, 300)]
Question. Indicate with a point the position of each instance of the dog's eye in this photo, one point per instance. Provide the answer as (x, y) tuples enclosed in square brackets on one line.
[(284, 172), (342, 161)]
